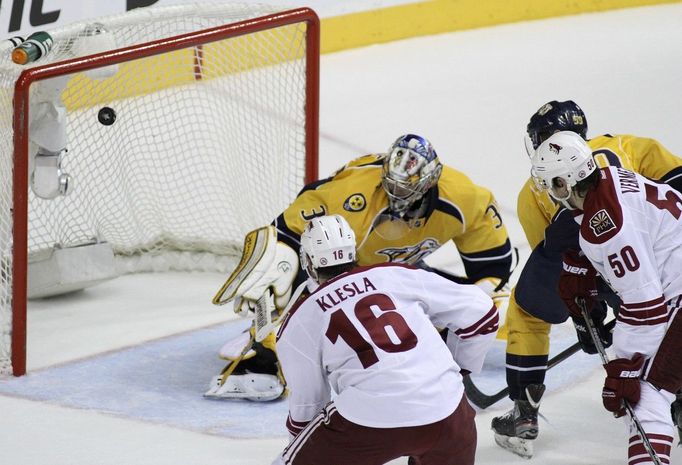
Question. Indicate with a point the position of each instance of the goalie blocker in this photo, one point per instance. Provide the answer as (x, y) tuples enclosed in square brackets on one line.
[(261, 288)]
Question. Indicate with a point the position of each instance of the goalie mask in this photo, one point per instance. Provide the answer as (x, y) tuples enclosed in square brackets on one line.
[(554, 117), (410, 169), (326, 241), (564, 155)]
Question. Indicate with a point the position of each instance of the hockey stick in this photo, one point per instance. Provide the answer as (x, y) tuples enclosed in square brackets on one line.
[(605, 359), (483, 401), (265, 309)]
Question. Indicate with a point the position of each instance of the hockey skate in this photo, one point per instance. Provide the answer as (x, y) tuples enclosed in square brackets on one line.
[(517, 429), (253, 375), (243, 384)]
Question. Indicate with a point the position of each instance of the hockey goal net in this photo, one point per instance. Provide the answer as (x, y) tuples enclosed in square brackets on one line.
[(184, 128)]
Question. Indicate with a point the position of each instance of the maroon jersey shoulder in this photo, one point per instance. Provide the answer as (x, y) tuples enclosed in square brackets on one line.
[(602, 214)]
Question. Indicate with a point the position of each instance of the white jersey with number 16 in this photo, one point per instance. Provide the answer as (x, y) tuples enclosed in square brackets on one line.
[(370, 335)]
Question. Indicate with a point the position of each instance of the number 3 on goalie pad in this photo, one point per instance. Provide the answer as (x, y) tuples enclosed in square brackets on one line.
[(267, 269)]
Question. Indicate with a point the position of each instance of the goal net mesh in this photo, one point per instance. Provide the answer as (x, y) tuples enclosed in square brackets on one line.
[(208, 142)]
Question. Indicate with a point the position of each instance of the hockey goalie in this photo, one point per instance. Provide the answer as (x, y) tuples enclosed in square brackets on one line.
[(403, 205), (261, 289)]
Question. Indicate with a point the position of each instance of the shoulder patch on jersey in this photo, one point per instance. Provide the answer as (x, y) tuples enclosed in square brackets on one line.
[(355, 203), (601, 223), (603, 214)]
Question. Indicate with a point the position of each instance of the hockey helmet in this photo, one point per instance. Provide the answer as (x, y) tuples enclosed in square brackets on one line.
[(411, 167), (556, 116), (326, 241), (564, 155)]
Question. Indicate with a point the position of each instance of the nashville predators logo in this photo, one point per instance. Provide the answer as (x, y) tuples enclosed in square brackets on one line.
[(601, 223), (410, 254), (355, 203)]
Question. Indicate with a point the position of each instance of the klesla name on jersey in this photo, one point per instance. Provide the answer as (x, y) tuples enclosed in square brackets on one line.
[(337, 295)]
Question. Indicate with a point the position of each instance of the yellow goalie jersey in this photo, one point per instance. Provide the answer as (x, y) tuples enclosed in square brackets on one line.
[(456, 209)]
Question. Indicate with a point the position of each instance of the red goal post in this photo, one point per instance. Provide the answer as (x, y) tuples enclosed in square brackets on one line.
[(253, 86)]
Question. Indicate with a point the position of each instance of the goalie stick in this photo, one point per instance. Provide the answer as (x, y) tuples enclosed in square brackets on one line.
[(483, 401), (266, 318)]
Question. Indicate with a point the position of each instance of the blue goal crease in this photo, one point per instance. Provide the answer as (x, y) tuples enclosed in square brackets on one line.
[(162, 381)]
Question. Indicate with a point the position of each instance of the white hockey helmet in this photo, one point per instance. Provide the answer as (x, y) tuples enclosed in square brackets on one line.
[(326, 241), (410, 168), (564, 155)]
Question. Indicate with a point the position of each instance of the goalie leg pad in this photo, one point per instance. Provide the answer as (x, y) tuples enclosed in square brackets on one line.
[(232, 350), (253, 375)]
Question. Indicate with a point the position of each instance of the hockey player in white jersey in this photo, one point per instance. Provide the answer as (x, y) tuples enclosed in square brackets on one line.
[(370, 378), (631, 234)]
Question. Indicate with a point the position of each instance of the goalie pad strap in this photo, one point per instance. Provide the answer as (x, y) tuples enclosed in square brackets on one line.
[(233, 348)]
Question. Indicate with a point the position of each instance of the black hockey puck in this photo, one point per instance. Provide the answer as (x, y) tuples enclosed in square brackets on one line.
[(106, 116)]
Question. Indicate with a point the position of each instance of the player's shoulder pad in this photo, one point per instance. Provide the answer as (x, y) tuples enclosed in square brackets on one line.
[(457, 188), (527, 194), (603, 214), (592, 141), (371, 160), (455, 177)]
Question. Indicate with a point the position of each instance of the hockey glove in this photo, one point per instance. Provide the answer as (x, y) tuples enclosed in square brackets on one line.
[(578, 278), (622, 383), (598, 316)]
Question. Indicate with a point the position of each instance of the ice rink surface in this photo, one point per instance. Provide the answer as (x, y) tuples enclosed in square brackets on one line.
[(130, 343)]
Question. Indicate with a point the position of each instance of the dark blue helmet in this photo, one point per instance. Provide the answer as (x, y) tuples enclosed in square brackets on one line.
[(556, 116)]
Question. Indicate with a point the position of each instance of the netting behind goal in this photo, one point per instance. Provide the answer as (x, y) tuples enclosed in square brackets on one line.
[(185, 128)]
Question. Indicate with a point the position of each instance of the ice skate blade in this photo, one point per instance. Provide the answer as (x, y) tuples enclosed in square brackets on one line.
[(521, 447)]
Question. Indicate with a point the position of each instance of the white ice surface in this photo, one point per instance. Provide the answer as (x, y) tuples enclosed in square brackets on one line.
[(471, 94)]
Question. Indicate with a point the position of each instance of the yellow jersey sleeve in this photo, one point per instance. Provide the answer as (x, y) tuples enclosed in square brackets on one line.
[(535, 209), (475, 206), (651, 159)]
